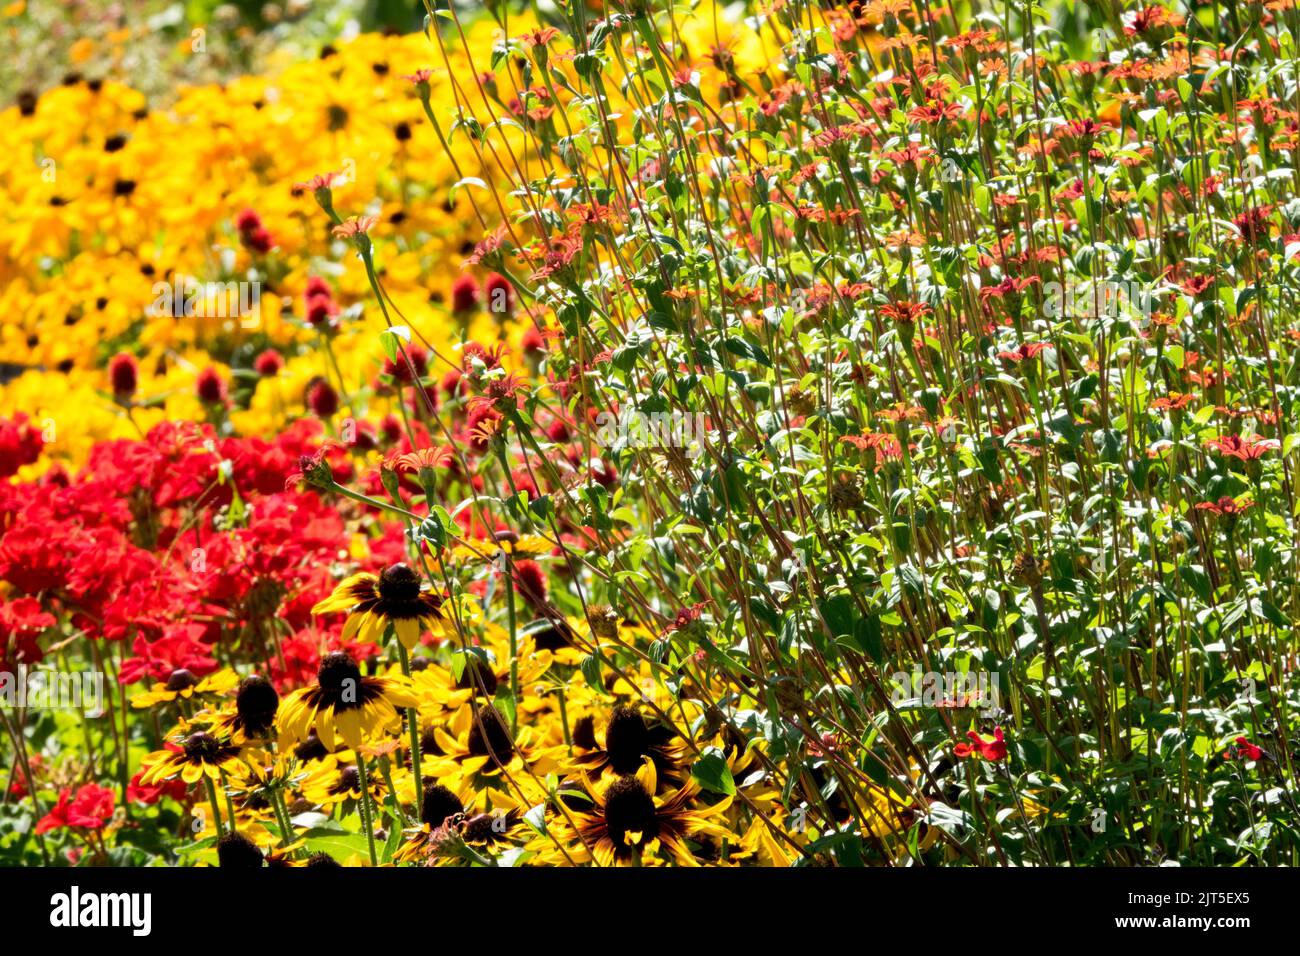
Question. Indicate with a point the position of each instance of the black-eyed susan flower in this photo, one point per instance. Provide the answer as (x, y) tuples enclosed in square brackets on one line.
[(184, 685), (337, 779), (343, 704), (479, 672), (373, 602), (439, 804), (476, 744), (196, 755), (628, 742), (236, 851), (256, 704), (502, 543), (625, 823)]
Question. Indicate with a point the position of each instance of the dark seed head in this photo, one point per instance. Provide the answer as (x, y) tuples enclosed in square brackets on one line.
[(202, 746), (398, 584), (322, 861), (479, 829), (552, 637), (572, 795), (489, 736), (584, 732), (402, 131), (256, 703), (626, 740), (339, 672), (123, 187), (477, 676), (236, 850), (349, 780), (181, 679), (438, 804), (310, 749), (629, 809)]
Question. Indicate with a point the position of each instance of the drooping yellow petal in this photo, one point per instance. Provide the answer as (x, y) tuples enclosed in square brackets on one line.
[(648, 776), (408, 632), (344, 596), (372, 628)]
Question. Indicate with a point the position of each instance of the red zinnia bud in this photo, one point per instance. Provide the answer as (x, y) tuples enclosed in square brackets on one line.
[(269, 363), (452, 384), (320, 309), (248, 221), (499, 294), (530, 581), (398, 368), (211, 387), (558, 431), (532, 340), (259, 240), (604, 473), (464, 294), (316, 286), (322, 399), (124, 373), (391, 426)]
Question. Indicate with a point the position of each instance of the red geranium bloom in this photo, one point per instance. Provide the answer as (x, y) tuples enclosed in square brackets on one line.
[(979, 747), (89, 810)]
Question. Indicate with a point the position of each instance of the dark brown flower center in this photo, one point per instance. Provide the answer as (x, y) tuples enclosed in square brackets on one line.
[(480, 829), (181, 679), (340, 679), (349, 779), (398, 585), (310, 749), (257, 703), (438, 804), (236, 850), (630, 809), (477, 676), (584, 732), (490, 737), (202, 746), (626, 740)]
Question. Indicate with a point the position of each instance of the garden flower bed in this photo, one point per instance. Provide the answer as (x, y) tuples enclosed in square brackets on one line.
[(758, 435)]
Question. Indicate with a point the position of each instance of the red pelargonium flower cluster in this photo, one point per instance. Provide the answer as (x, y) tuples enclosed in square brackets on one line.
[(21, 622), (90, 809), (20, 444), (134, 565)]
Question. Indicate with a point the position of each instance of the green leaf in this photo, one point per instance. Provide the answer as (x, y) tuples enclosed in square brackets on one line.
[(712, 773)]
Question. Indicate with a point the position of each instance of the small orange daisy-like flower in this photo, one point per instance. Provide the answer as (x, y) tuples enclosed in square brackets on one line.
[(354, 227), (439, 457), (539, 37), (1172, 401), (319, 181), (1225, 506)]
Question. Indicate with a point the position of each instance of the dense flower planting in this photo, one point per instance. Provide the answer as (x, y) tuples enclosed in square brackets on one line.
[(619, 434)]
